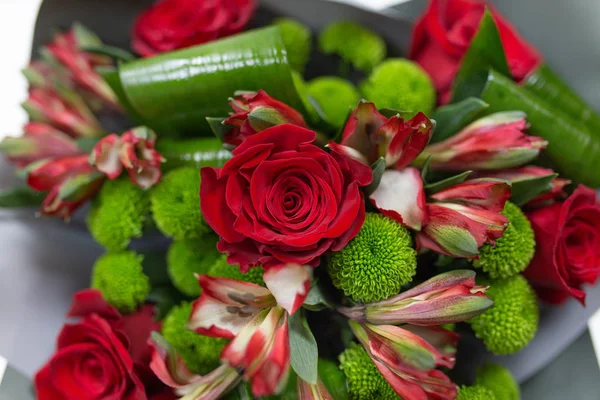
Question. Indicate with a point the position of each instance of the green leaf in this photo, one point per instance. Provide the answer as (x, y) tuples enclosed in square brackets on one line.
[(523, 191), (154, 265), (378, 168), (86, 145), (304, 353), (111, 51), (217, 127), (446, 183), (317, 298), (197, 153), (164, 298), (485, 52), (84, 36), (572, 147), (20, 197), (425, 170), (453, 117), (111, 77), (176, 91)]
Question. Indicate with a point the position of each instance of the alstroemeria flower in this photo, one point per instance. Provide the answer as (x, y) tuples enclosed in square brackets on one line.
[(307, 391), (169, 367), (556, 192), (39, 141), (256, 319), (254, 112), (369, 135), (493, 142), (446, 298), (134, 151), (407, 361), (71, 116)]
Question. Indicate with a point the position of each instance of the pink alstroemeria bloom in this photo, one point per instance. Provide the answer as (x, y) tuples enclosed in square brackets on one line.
[(39, 141), (446, 298), (256, 111), (256, 319), (307, 391), (493, 142), (368, 135)]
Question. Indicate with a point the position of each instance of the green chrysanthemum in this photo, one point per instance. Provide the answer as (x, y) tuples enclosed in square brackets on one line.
[(335, 96), (297, 40), (118, 214), (512, 322), (365, 382), (189, 257), (302, 89), (513, 251), (120, 278), (333, 378), (222, 269), (377, 262), (475, 393), (400, 84), (499, 381), (176, 204), (200, 353), (354, 43)]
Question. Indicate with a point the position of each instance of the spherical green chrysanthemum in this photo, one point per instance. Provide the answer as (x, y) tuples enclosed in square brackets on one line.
[(499, 381), (222, 269), (118, 214), (475, 393), (365, 382), (336, 97), (186, 258), (200, 353), (176, 204), (513, 251), (354, 43), (120, 278), (377, 262), (512, 322), (297, 40), (302, 89), (333, 378), (400, 84)]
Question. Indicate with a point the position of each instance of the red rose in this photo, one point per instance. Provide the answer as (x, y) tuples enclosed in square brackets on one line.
[(174, 24), (281, 199), (443, 34), (568, 247)]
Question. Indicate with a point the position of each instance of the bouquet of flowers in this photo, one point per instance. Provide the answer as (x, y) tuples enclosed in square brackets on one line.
[(331, 238)]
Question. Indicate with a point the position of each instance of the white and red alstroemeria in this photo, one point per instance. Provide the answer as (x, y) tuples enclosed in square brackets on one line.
[(256, 319), (464, 217), (169, 367), (39, 141), (134, 151), (307, 391), (70, 115), (493, 142), (556, 192), (446, 298), (369, 135), (400, 196), (254, 112)]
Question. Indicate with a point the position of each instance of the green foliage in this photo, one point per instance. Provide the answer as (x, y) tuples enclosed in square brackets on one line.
[(118, 214), (365, 382), (336, 98), (512, 322), (513, 251), (499, 381), (200, 353), (176, 204), (297, 40), (475, 393), (401, 85), (354, 43), (377, 262), (333, 378), (120, 278), (222, 269)]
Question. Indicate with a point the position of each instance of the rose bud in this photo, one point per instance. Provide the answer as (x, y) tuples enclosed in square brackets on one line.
[(444, 299), (369, 135), (72, 116), (443, 34), (39, 141), (567, 253), (493, 142), (254, 112), (139, 157), (175, 24)]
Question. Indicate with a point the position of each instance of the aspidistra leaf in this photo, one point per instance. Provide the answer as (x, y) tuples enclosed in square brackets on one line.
[(304, 353), (452, 118)]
